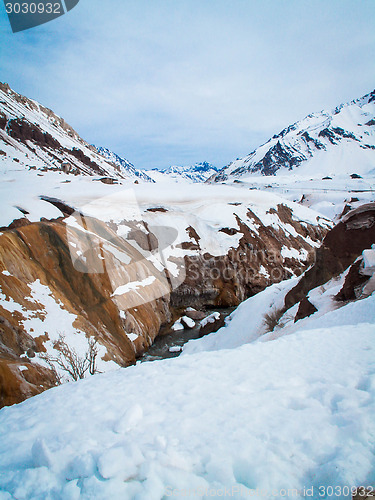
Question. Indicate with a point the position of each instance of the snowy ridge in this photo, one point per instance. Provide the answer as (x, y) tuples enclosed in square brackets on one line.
[(312, 145), (199, 172), (125, 165), (33, 137)]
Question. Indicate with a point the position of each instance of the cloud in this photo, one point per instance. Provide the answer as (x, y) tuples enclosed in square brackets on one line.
[(177, 82)]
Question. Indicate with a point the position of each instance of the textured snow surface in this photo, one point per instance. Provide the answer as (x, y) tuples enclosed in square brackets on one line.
[(296, 412), (207, 208)]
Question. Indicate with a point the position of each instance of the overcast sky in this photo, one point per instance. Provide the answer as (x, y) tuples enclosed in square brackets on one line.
[(165, 82)]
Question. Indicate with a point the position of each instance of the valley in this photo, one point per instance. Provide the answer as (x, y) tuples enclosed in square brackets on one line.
[(257, 277)]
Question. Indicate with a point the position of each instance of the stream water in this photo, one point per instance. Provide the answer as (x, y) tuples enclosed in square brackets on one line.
[(169, 339)]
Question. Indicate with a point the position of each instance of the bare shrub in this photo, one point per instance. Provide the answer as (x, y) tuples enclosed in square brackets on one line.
[(70, 362), (272, 319)]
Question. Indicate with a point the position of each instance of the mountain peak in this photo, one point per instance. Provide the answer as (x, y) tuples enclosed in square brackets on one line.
[(199, 172), (316, 144)]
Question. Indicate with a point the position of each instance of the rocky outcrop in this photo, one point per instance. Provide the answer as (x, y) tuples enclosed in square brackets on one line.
[(305, 309), (39, 253), (353, 285), (341, 247), (20, 380), (258, 261), (212, 324)]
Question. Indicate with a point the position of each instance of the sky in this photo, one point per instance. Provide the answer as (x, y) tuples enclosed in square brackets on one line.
[(174, 82)]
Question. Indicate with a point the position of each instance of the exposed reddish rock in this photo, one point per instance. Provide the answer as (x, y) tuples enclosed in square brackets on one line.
[(193, 235), (225, 281), (78, 153), (196, 315), (24, 131), (305, 309), (341, 247), (108, 180), (228, 230), (39, 251), (18, 384), (212, 326), (353, 284)]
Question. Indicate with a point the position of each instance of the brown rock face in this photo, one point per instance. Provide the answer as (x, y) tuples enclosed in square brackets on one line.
[(354, 282), (195, 315), (305, 309), (39, 251), (227, 280), (341, 246), (19, 381)]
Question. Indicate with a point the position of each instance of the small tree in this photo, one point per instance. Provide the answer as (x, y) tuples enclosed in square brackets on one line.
[(70, 362)]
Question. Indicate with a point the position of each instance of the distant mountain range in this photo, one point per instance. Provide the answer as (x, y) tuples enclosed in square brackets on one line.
[(123, 164), (337, 142), (199, 172), (341, 141)]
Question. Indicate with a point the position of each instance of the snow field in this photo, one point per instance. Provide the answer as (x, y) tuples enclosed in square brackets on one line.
[(292, 413)]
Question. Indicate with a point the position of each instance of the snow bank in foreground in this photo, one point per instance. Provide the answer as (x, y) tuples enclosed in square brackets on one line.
[(246, 323), (293, 413)]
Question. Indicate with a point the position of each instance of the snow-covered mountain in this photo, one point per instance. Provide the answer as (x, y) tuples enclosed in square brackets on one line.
[(199, 172), (35, 138), (124, 164), (341, 141)]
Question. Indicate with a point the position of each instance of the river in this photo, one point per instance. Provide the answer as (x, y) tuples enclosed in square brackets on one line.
[(168, 344)]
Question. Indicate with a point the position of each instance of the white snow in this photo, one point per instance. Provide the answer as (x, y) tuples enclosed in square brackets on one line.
[(134, 285), (246, 410), (245, 324), (210, 319), (369, 261), (190, 323), (175, 348), (132, 336), (47, 316), (296, 412), (178, 326)]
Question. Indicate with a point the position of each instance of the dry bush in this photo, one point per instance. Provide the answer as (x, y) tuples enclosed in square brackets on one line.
[(70, 362), (272, 319)]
